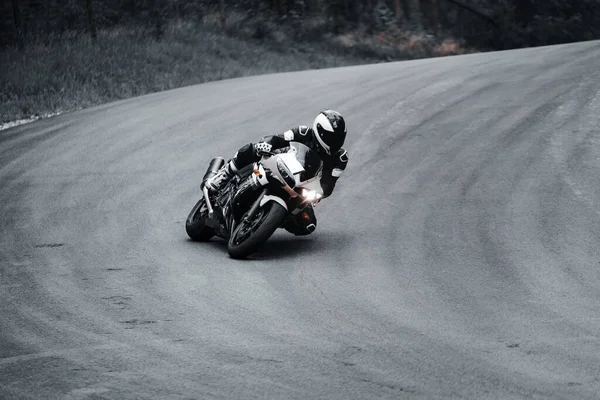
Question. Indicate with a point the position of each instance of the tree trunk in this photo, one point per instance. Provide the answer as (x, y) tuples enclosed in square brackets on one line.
[(415, 12), (299, 7), (406, 8), (352, 11), (474, 11), (347, 10), (308, 7), (157, 19), (434, 8), (90, 13), (397, 10), (277, 8), (524, 11), (222, 11), (129, 7), (436, 15), (337, 24), (18, 24)]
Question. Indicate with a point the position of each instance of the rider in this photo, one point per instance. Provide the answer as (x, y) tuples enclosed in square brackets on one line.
[(326, 137)]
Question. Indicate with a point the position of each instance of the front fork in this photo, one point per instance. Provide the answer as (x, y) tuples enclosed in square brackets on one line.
[(249, 215), (207, 200), (255, 206)]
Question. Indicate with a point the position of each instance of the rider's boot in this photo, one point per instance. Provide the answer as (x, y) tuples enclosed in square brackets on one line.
[(215, 183)]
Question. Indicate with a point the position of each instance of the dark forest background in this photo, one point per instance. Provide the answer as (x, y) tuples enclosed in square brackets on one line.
[(485, 24), (62, 55)]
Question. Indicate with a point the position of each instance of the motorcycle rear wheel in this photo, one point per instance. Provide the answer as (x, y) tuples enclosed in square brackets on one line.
[(249, 236), (195, 225)]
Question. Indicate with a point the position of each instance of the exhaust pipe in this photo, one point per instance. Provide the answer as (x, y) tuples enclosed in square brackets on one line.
[(214, 167)]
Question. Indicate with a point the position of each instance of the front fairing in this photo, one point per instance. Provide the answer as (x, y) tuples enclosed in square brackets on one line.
[(310, 161)]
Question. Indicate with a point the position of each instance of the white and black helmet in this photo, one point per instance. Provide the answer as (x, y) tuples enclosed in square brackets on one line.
[(330, 130)]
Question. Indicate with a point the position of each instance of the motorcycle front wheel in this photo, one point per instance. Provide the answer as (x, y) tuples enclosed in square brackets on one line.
[(249, 235), (195, 225)]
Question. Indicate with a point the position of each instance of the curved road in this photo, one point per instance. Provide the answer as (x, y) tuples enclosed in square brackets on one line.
[(459, 256)]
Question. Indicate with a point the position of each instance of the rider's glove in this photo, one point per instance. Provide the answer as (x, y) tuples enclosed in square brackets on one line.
[(262, 148)]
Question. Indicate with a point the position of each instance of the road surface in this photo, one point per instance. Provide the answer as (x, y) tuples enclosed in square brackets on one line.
[(459, 256)]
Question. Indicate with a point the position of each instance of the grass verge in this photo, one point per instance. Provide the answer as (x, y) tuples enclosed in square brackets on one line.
[(76, 73)]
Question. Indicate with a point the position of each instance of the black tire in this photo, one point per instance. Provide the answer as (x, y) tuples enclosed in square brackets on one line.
[(195, 225), (267, 219)]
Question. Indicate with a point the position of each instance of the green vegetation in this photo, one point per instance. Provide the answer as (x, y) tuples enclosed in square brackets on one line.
[(76, 71), (58, 55)]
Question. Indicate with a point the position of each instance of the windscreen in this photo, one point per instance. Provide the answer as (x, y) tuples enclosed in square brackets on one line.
[(310, 160)]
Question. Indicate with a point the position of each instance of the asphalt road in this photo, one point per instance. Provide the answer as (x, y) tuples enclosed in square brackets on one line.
[(459, 256)]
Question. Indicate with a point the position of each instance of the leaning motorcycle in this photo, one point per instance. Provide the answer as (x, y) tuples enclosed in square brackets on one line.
[(258, 200)]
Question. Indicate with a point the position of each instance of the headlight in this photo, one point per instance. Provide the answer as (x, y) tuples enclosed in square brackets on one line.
[(310, 195), (286, 174)]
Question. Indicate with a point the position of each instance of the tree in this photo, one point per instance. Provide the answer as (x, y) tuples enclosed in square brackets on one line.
[(489, 23), (524, 11), (157, 16), (92, 22), (398, 10), (222, 12), (414, 7), (434, 14), (129, 6), (18, 24), (474, 11)]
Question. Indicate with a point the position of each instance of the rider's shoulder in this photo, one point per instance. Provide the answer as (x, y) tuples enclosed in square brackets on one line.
[(303, 130), (300, 133)]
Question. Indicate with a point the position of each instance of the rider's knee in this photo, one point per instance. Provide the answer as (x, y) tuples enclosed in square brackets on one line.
[(245, 156)]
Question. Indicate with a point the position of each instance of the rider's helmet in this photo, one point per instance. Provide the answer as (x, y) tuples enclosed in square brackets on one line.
[(330, 131)]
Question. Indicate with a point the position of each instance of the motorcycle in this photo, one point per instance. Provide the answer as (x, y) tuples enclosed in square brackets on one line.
[(258, 199)]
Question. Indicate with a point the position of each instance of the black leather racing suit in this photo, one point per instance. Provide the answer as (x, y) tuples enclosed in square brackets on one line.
[(333, 166)]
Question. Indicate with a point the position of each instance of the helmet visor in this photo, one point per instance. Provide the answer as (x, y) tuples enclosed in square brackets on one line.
[(335, 140)]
